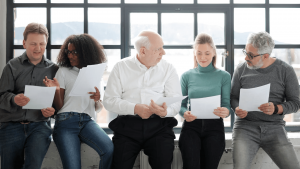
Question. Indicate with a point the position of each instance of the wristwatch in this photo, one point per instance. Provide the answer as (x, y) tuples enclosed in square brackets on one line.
[(276, 109)]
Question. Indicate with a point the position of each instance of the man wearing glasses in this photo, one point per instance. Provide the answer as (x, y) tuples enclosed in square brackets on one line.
[(265, 128)]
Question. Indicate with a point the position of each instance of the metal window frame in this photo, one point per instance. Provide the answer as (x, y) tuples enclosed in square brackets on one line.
[(125, 46)]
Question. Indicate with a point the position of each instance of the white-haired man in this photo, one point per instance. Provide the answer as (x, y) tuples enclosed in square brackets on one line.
[(132, 86), (265, 128)]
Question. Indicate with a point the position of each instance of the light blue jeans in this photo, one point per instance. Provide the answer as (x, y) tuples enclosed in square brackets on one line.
[(71, 129), (247, 139)]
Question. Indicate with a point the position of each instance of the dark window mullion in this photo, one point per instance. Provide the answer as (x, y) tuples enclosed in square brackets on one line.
[(85, 16), (159, 24), (49, 29), (195, 24)]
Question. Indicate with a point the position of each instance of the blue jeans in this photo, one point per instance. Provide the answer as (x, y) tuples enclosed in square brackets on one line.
[(247, 139), (71, 129), (24, 145)]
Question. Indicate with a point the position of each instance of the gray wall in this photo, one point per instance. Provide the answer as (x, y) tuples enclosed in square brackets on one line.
[(2, 34)]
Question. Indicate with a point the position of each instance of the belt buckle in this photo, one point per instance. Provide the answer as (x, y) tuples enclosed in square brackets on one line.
[(25, 122)]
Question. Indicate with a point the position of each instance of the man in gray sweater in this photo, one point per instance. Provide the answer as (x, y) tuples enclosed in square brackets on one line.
[(265, 128)]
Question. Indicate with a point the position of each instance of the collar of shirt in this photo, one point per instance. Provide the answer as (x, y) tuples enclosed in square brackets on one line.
[(44, 60), (142, 66)]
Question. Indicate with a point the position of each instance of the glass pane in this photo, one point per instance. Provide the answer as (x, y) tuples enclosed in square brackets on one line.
[(284, 25), (19, 52), (105, 1), (141, 2), (138, 23), (54, 54), (66, 1), (249, 1), (24, 16), (177, 1), (213, 2), (239, 57), (177, 28), (113, 56), (284, 1), (65, 22), (246, 21), (104, 25), (30, 1), (216, 28)]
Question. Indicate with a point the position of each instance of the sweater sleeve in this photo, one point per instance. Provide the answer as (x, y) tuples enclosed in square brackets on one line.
[(225, 95), (292, 103), (184, 89)]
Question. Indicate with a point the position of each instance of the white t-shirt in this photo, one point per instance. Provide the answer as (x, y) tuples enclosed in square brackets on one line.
[(81, 104)]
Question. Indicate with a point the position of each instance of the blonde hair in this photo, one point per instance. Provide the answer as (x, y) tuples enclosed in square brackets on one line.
[(35, 28), (204, 38)]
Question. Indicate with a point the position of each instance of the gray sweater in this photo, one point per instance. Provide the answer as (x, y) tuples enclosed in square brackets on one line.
[(284, 90)]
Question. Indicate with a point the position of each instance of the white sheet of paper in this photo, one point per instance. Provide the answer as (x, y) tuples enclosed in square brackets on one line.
[(203, 108), (169, 100), (40, 97), (251, 99), (87, 79)]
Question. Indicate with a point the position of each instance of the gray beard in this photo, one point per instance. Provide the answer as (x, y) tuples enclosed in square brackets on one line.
[(257, 66)]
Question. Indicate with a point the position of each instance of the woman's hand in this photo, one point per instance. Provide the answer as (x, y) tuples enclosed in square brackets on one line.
[(221, 112), (51, 83), (95, 95), (189, 117)]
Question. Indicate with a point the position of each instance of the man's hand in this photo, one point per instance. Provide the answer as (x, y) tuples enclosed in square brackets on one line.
[(51, 83), (142, 110), (241, 113), (267, 108), (95, 95), (158, 110), (188, 116), (49, 111), (21, 100), (221, 112)]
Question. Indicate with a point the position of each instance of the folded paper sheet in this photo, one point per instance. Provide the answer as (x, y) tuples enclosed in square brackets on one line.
[(203, 108), (40, 97), (87, 79), (169, 100), (251, 99)]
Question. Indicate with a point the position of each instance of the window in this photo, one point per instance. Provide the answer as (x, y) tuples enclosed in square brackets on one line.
[(115, 23)]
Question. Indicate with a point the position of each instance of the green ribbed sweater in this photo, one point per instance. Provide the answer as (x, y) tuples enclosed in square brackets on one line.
[(204, 82)]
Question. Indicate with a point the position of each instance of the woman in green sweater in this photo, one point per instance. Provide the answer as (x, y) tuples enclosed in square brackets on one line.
[(202, 141)]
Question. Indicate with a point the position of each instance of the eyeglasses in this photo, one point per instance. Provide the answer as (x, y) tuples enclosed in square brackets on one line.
[(249, 55), (74, 52)]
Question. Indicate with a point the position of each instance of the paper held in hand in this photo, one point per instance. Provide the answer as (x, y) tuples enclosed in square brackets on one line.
[(40, 97), (203, 108), (169, 100), (251, 99), (87, 79)]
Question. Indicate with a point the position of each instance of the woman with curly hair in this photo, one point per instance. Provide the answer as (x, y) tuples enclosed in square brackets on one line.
[(74, 122)]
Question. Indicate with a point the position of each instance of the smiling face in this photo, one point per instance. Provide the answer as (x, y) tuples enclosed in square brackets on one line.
[(204, 54), (74, 61), (35, 46)]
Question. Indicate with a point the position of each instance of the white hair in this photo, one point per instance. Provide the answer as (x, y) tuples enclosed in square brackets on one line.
[(262, 41), (141, 41)]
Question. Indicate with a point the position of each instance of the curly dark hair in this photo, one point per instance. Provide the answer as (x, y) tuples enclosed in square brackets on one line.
[(89, 51)]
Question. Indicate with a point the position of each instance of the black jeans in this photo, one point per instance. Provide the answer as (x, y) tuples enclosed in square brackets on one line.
[(132, 134), (202, 143)]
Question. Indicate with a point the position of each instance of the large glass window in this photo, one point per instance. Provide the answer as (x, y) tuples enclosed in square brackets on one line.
[(24, 16), (105, 25), (246, 21), (115, 23), (284, 27)]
